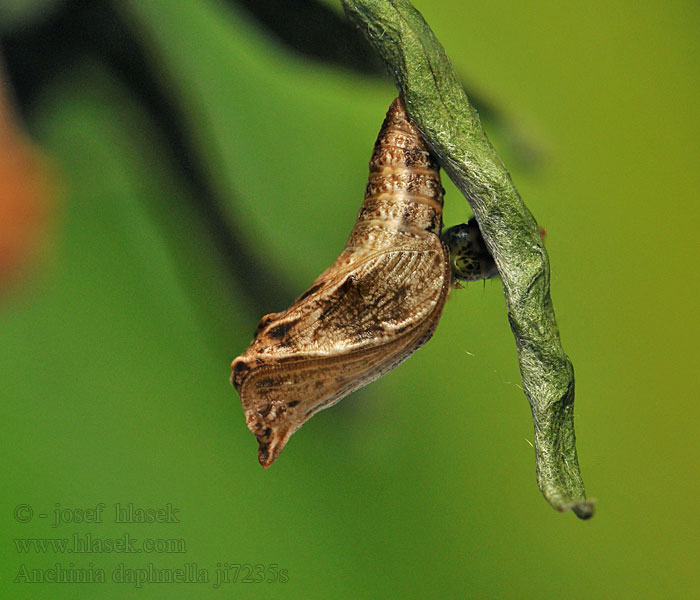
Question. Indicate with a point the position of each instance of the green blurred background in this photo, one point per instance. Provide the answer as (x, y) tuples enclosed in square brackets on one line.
[(170, 242)]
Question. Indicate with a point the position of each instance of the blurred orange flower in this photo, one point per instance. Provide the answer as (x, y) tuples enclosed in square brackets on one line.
[(27, 195)]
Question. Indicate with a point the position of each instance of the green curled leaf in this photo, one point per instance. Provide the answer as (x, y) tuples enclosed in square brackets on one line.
[(438, 105)]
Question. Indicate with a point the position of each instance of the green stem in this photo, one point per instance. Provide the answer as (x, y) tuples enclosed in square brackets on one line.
[(440, 108)]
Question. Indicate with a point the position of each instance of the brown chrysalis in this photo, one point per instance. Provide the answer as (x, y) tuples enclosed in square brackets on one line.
[(378, 303)]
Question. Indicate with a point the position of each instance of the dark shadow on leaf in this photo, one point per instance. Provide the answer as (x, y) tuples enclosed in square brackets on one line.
[(37, 55), (315, 31)]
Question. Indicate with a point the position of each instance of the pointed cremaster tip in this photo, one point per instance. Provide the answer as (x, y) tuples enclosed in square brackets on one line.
[(269, 450), (271, 445), (264, 456)]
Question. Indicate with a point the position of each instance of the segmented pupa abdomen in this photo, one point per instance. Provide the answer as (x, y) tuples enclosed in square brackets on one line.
[(403, 194)]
